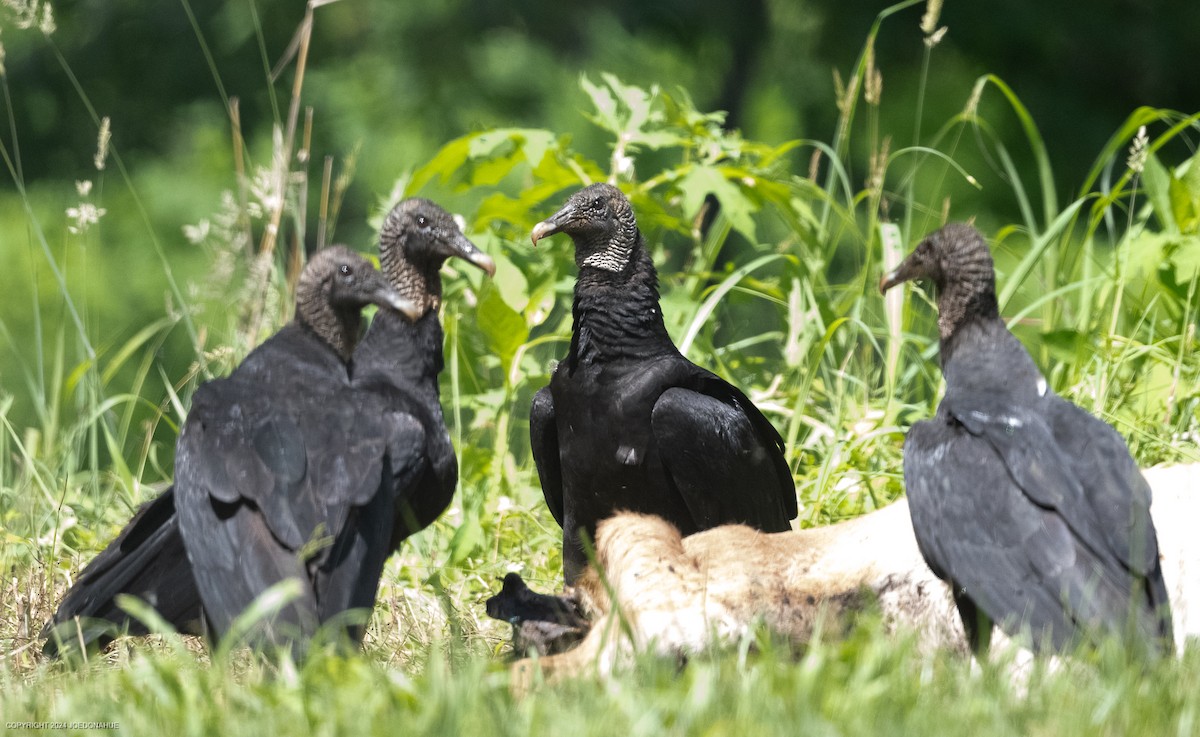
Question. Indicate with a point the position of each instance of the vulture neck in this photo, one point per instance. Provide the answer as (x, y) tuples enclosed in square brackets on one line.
[(964, 304), (617, 314), (336, 328), (978, 353), (420, 284)]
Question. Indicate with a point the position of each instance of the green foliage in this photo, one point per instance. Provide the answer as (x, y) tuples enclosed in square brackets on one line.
[(769, 255), (791, 310)]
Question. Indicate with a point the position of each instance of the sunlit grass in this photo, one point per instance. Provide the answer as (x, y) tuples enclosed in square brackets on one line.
[(778, 294), (867, 683)]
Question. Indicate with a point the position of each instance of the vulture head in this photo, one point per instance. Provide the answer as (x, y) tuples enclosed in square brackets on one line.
[(957, 252), (334, 287), (416, 239), (957, 261), (601, 223)]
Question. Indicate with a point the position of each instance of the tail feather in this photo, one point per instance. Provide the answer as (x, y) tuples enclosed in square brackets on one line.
[(148, 561), (1160, 605)]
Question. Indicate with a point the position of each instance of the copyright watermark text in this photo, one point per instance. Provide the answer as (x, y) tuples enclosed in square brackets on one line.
[(62, 725)]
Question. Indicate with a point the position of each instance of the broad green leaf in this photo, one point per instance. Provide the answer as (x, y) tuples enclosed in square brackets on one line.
[(1185, 206), (467, 539), (1157, 182), (510, 282), (1190, 178), (502, 326), (483, 145), (564, 169), (1184, 256), (677, 307), (491, 170), (1144, 254), (444, 164), (1189, 171), (702, 181), (1065, 345), (635, 99), (605, 105), (658, 139)]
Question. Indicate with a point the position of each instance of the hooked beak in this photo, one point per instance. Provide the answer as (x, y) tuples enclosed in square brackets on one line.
[(906, 271), (462, 248), (553, 224), (889, 280)]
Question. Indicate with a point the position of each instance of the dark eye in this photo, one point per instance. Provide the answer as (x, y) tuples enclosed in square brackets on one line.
[(345, 270), (597, 202), (422, 221)]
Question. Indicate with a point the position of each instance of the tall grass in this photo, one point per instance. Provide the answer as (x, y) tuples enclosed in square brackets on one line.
[(776, 291)]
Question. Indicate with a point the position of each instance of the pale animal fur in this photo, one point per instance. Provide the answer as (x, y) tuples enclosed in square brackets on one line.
[(679, 596)]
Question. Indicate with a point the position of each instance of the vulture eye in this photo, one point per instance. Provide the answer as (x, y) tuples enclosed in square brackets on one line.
[(597, 202), (345, 270), (422, 221)]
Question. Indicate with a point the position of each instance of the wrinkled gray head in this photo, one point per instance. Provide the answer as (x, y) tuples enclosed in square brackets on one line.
[(601, 223), (334, 287), (956, 259), (416, 239)]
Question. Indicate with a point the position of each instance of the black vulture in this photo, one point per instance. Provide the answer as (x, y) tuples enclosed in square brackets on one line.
[(397, 364), (148, 559), (275, 461), (628, 423), (1030, 508), (402, 360)]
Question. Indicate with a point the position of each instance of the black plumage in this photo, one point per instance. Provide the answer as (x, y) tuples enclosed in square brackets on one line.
[(628, 423), (398, 363), (396, 367), (147, 560), (1031, 508), (276, 462)]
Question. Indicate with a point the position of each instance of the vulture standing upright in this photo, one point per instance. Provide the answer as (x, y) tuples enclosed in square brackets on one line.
[(399, 362), (1030, 508), (628, 423)]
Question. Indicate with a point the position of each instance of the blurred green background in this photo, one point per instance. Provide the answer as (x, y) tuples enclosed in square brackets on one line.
[(390, 82)]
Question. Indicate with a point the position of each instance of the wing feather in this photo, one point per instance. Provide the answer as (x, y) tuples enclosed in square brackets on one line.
[(543, 436), (721, 466)]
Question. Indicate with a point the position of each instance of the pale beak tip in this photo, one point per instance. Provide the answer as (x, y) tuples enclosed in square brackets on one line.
[(541, 230), (887, 281)]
